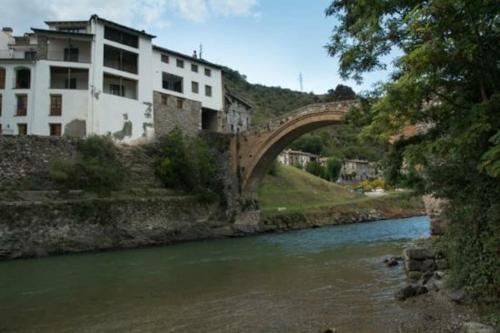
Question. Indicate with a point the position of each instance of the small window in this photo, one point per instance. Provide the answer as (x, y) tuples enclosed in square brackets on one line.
[(70, 83), (180, 103), (23, 78), (22, 129), (208, 72), (194, 68), (22, 105), (180, 63), (55, 129), (2, 78), (1, 100), (164, 58), (71, 54), (195, 87), (164, 99), (208, 90), (55, 105)]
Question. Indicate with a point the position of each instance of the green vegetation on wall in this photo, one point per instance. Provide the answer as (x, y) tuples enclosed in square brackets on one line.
[(187, 164), (95, 169)]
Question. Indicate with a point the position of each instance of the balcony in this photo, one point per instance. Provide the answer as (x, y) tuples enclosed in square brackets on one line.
[(120, 59), (69, 78), (119, 86), (68, 50)]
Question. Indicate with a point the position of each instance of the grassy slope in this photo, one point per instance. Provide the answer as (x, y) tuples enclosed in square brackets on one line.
[(299, 191), (296, 189)]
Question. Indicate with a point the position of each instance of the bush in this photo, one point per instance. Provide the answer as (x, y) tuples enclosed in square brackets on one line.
[(187, 164), (95, 169), (333, 167), (316, 169)]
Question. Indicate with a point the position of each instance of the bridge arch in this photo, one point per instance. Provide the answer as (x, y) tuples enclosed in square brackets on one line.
[(256, 150)]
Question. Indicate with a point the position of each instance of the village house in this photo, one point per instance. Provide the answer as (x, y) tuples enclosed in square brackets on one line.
[(296, 158), (354, 170), (95, 76)]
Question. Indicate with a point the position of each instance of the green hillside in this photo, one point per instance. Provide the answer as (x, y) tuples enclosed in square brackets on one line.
[(295, 189)]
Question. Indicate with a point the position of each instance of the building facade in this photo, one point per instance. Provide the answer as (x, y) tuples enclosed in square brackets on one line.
[(99, 77), (354, 170), (296, 158), (237, 113)]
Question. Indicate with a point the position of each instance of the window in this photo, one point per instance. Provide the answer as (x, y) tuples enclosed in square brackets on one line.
[(120, 59), (208, 91), (55, 105), (29, 55), (71, 54), (116, 89), (2, 78), (1, 100), (22, 129), (164, 99), (23, 78), (172, 82), (119, 86), (180, 103), (55, 129), (22, 105), (194, 68), (164, 58), (180, 63), (121, 37), (70, 83), (208, 72), (195, 87)]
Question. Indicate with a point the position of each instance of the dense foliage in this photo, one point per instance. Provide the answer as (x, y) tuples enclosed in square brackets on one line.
[(96, 167), (448, 78), (187, 164)]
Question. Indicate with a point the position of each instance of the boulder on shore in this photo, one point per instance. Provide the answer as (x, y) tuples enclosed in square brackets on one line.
[(474, 327)]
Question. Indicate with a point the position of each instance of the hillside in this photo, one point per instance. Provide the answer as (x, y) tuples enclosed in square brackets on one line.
[(295, 189)]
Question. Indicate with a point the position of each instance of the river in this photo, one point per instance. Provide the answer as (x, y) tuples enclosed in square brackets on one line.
[(300, 281)]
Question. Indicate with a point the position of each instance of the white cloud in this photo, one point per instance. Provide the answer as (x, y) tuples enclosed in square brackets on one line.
[(23, 14)]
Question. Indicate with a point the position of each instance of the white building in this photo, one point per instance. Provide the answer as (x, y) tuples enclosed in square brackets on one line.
[(296, 158), (99, 77)]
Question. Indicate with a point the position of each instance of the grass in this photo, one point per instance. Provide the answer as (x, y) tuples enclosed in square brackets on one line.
[(295, 190)]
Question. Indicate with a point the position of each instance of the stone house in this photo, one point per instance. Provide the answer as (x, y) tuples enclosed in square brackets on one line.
[(354, 170), (237, 113), (296, 158)]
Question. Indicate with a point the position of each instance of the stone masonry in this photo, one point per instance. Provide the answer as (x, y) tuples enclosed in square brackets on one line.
[(171, 112)]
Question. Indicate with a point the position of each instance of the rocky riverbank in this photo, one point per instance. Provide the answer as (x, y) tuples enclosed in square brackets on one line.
[(436, 307)]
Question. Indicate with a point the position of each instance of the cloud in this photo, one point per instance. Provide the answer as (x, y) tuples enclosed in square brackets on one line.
[(23, 14)]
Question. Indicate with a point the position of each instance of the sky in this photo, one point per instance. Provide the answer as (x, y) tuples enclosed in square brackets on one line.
[(269, 41)]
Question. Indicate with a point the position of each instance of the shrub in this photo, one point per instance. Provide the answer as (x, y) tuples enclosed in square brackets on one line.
[(96, 167), (187, 164), (316, 169), (273, 171), (333, 167)]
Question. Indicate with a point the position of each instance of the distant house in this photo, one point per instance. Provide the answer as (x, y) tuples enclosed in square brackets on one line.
[(354, 170), (237, 113), (296, 158)]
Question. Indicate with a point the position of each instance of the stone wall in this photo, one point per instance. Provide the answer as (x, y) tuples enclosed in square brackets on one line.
[(25, 160), (434, 208), (53, 227), (168, 116)]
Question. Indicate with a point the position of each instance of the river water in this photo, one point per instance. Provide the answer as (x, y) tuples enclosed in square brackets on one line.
[(301, 281)]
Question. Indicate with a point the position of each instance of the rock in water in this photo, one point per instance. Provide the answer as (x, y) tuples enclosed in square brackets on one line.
[(473, 327), (410, 291)]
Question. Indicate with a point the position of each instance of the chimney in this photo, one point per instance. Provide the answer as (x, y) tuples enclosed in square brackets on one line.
[(194, 54), (8, 31)]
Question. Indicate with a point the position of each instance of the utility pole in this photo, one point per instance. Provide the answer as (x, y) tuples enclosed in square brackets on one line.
[(301, 82)]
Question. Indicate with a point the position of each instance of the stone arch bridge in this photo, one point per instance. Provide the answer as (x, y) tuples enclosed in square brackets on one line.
[(254, 151)]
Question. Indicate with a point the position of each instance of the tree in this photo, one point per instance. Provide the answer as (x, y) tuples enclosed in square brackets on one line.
[(340, 93), (333, 167), (448, 78)]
